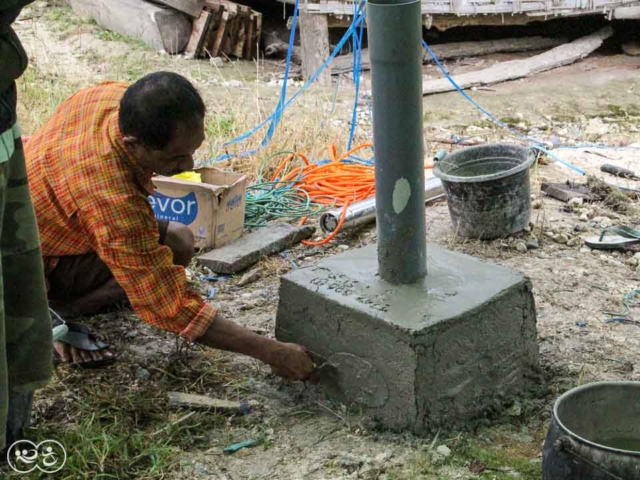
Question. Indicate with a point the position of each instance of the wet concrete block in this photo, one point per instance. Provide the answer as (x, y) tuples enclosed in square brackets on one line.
[(249, 249), (441, 352)]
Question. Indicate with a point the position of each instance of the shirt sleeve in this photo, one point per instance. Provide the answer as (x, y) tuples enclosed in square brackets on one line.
[(126, 238)]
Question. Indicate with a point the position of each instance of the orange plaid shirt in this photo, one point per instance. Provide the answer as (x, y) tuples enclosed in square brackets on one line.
[(91, 196)]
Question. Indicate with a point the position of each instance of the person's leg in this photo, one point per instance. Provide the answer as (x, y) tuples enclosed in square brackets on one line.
[(179, 239), (84, 285), (27, 323)]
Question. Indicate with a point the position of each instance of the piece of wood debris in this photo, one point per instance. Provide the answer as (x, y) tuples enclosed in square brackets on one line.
[(250, 277), (502, 72), (198, 34), (447, 51), (190, 7), (189, 400)]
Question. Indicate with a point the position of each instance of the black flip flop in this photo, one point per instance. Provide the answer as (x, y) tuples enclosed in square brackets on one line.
[(80, 337)]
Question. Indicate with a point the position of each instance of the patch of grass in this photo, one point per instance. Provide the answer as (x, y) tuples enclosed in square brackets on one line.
[(39, 94), (115, 426), (495, 463), (220, 126), (109, 36), (626, 111), (62, 18)]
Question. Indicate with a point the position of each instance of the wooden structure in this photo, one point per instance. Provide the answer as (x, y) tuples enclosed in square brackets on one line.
[(199, 28), (224, 28), (445, 14)]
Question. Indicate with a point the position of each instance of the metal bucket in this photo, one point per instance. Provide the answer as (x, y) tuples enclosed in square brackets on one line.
[(488, 189), (595, 434)]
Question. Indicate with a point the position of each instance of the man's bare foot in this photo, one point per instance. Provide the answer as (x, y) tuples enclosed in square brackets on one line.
[(70, 354)]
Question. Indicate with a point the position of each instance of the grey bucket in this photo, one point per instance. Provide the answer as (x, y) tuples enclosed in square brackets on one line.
[(594, 434), (488, 189)]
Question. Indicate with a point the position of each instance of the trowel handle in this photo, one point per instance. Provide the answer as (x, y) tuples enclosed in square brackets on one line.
[(617, 171)]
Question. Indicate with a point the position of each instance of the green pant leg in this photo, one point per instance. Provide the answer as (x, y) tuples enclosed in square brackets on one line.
[(28, 338), (4, 374)]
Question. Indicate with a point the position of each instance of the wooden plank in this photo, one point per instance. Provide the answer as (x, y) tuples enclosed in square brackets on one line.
[(198, 35), (239, 37), (248, 45), (257, 35), (217, 42), (190, 7), (229, 34), (446, 51), (159, 27), (216, 16), (188, 400), (314, 40), (502, 72)]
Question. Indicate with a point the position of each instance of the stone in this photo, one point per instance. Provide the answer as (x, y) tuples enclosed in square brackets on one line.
[(615, 254), (415, 357), (603, 222), (532, 244), (143, 374), (633, 262), (444, 451), (561, 238), (248, 249), (584, 217), (576, 201), (250, 277), (580, 228), (585, 250), (574, 242), (536, 204), (521, 247), (216, 62), (636, 255)]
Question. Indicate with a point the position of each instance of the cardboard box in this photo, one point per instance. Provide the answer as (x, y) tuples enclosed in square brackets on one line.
[(213, 209)]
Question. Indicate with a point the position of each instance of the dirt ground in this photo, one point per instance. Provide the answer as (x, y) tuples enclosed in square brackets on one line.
[(116, 422)]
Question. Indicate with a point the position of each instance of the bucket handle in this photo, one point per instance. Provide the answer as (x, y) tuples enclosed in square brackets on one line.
[(569, 446)]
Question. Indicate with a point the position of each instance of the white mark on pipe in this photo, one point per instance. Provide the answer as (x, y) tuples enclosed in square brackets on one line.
[(401, 195)]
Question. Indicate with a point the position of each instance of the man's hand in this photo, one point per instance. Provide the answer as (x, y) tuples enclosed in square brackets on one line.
[(291, 361), (286, 359)]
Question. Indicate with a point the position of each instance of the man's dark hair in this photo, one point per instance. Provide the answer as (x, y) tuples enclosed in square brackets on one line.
[(155, 105)]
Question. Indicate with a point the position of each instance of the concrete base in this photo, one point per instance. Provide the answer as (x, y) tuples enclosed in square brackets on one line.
[(442, 352)]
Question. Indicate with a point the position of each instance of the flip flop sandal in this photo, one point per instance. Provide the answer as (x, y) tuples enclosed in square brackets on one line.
[(623, 237), (80, 337)]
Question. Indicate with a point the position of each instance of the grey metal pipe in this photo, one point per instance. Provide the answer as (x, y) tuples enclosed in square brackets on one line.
[(395, 34), (364, 211)]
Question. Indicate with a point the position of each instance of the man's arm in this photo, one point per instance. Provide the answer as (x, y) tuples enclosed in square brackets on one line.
[(126, 238), (286, 359)]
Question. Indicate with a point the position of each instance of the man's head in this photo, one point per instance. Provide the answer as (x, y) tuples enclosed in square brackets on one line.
[(162, 121)]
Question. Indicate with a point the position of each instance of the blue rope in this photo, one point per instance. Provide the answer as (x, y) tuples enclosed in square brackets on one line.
[(473, 102), (357, 73), (357, 20), (277, 114)]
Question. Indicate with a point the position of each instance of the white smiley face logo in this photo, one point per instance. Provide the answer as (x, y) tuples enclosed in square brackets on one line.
[(25, 456)]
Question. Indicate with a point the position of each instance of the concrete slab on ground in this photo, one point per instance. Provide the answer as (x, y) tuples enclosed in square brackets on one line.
[(441, 352), (249, 249)]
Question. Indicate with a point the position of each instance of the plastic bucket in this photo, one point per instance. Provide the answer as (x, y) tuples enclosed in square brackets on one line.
[(595, 434), (488, 189)]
